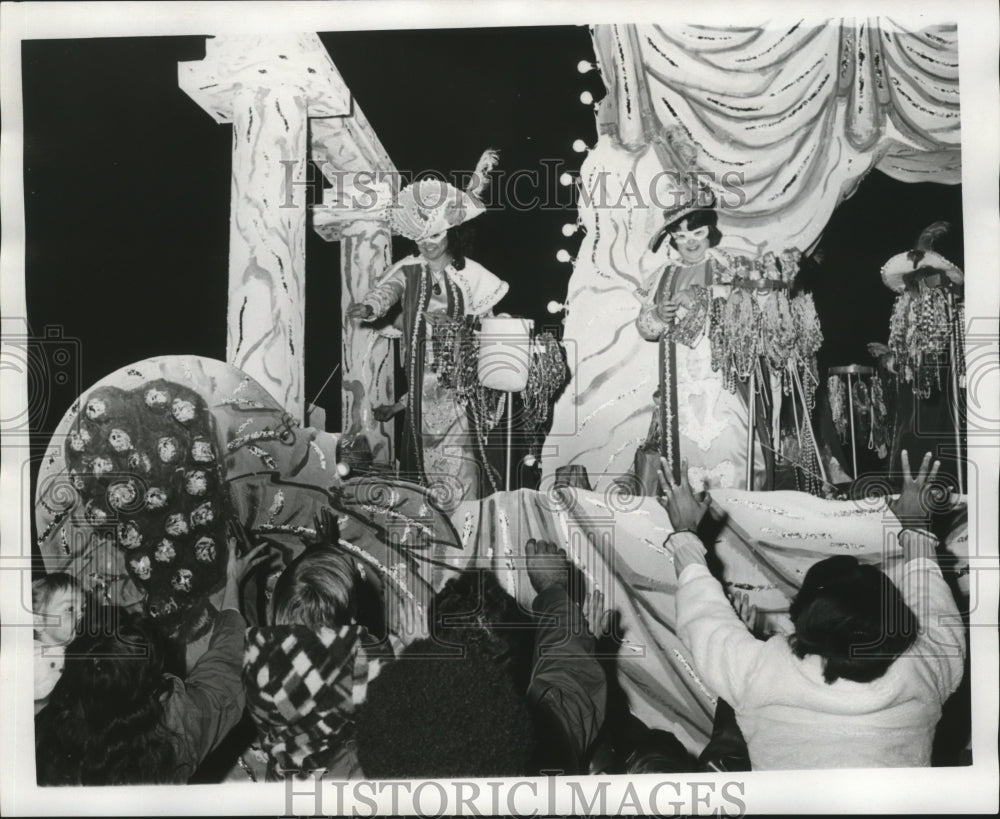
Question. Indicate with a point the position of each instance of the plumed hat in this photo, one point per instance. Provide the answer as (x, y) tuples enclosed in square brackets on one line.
[(432, 206), (900, 269)]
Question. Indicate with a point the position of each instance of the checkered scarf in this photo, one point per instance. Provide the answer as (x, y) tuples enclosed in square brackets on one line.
[(302, 688)]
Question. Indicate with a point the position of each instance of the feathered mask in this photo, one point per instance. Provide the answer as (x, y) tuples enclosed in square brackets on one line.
[(432, 206), (903, 267)]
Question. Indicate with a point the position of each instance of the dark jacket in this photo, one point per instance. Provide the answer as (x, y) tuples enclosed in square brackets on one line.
[(568, 690), (202, 709)]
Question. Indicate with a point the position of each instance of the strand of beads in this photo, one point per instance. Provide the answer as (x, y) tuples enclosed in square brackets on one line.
[(958, 333)]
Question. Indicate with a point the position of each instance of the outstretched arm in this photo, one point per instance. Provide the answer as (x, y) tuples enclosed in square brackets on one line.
[(722, 648), (377, 301), (940, 644), (567, 681)]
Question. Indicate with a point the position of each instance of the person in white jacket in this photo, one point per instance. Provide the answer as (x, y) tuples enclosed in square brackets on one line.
[(861, 682)]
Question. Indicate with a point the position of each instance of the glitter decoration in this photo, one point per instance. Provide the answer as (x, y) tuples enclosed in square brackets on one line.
[(203, 515), (96, 409), (142, 567), (277, 504), (122, 494), (196, 483), (204, 550), (167, 450), (120, 440), (182, 580), (101, 466), (201, 451), (176, 525), (165, 552), (139, 462), (183, 411), (78, 439), (156, 399)]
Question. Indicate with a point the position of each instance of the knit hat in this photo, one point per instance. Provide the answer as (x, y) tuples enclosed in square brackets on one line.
[(302, 689)]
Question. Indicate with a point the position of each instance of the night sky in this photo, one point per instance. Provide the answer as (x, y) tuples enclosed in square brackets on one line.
[(127, 190)]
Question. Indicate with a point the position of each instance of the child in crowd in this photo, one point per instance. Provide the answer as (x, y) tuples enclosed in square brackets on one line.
[(862, 680), (116, 718), (306, 673), (57, 606)]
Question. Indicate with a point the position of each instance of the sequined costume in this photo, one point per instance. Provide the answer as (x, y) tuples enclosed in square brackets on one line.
[(705, 423), (439, 447)]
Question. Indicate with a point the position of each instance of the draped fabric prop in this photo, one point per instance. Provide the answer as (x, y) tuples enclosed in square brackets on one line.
[(275, 476), (788, 121)]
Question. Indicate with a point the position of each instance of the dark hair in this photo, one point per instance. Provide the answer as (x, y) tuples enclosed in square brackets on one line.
[(45, 588), (472, 608), (853, 616), (695, 219), (104, 721), (460, 240), (428, 716), (316, 590)]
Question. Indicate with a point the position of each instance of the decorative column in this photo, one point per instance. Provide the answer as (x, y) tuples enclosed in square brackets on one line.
[(267, 86), (267, 241), (355, 212), (367, 357)]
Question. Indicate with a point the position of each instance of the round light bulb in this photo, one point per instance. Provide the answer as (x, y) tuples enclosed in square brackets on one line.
[(343, 470), (587, 98), (583, 66), (566, 179), (568, 229), (579, 146), (553, 307), (530, 461), (563, 255)]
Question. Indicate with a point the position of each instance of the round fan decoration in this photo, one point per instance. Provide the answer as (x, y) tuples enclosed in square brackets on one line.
[(144, 464)]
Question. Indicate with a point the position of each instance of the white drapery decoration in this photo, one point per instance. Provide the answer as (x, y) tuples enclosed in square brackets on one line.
[(788, 121), (801, 113)]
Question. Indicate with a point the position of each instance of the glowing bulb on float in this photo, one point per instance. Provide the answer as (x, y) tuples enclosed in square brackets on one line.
[(343, 470), (563, 255), (583, 66), (587, 98), (566, 179), (555, 306), (568, 229), (580, 146), (530, 461)]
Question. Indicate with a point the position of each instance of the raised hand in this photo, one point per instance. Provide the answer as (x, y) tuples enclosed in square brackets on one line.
[(595, 613), (547, 565), (911, 507), (327, 530), (238, 568), (683, 508)]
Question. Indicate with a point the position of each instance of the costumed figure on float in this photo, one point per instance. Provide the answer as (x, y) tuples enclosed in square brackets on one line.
[(697, 416), (438, 290), (925, 353)]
